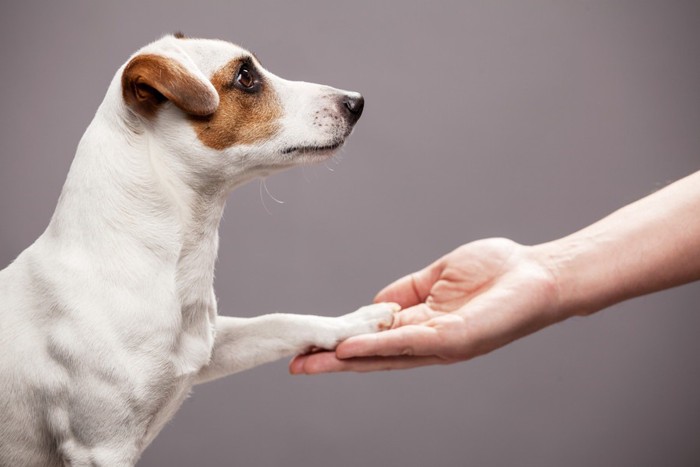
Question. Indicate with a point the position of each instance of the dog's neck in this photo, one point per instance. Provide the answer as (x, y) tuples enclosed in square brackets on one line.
[(126, 191), (123, 207)]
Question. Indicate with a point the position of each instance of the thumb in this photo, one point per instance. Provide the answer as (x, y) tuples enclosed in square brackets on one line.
[(412, 289)]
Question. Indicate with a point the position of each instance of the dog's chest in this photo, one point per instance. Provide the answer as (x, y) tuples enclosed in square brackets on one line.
[(193, 346), (197, 302), (191, 351)]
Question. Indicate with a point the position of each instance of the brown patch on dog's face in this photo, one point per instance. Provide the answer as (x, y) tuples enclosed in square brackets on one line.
[(245, 115)]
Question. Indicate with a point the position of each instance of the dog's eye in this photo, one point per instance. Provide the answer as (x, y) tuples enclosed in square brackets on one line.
[(245, 79)]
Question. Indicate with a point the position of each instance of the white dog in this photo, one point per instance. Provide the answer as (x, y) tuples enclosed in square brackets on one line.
[(109, 318)]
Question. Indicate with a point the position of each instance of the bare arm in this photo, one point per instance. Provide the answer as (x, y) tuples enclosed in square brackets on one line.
[(488, 293), (647, 246)]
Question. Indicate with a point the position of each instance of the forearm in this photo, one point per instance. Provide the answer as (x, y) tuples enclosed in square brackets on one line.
[(650, 245)]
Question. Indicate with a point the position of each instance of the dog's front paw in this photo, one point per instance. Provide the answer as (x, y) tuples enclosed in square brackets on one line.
[(371, 318), (366, 320)]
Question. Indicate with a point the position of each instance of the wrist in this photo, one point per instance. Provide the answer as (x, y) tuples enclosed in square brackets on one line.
[(578, 268)]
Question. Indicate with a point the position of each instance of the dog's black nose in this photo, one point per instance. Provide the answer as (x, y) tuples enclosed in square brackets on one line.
[(354, 104)]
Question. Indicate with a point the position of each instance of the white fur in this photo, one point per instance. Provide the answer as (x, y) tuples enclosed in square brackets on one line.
[(110, 317)]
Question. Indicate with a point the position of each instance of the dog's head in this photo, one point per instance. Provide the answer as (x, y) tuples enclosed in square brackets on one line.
[(212, 105)]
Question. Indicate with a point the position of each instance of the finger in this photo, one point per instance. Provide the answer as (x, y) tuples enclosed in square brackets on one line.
[(320, 362), (327, 362), (411, 289), (404, 341), (296, 365)]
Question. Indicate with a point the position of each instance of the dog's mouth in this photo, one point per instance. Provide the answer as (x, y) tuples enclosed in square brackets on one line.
[(313, 149)]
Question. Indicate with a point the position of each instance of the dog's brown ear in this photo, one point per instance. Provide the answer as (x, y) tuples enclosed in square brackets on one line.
[(149, 80)]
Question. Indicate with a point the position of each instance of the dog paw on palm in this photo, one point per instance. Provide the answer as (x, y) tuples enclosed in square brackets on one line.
[(368, 319)]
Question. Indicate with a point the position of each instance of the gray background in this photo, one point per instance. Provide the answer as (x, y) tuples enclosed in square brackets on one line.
[(520, 119)]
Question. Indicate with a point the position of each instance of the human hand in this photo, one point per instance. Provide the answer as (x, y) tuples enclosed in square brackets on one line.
[(475, 299)]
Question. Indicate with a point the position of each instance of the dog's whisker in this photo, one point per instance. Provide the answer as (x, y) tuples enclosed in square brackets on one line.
[(264, 183), (262, 199)]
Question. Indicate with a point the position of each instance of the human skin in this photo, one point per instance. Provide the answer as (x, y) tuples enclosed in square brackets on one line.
[(488, 293)]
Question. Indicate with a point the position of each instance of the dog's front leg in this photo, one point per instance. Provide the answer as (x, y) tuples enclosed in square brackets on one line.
[(243, 343)]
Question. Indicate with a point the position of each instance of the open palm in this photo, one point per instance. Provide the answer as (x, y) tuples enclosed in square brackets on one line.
[(475, 299)]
